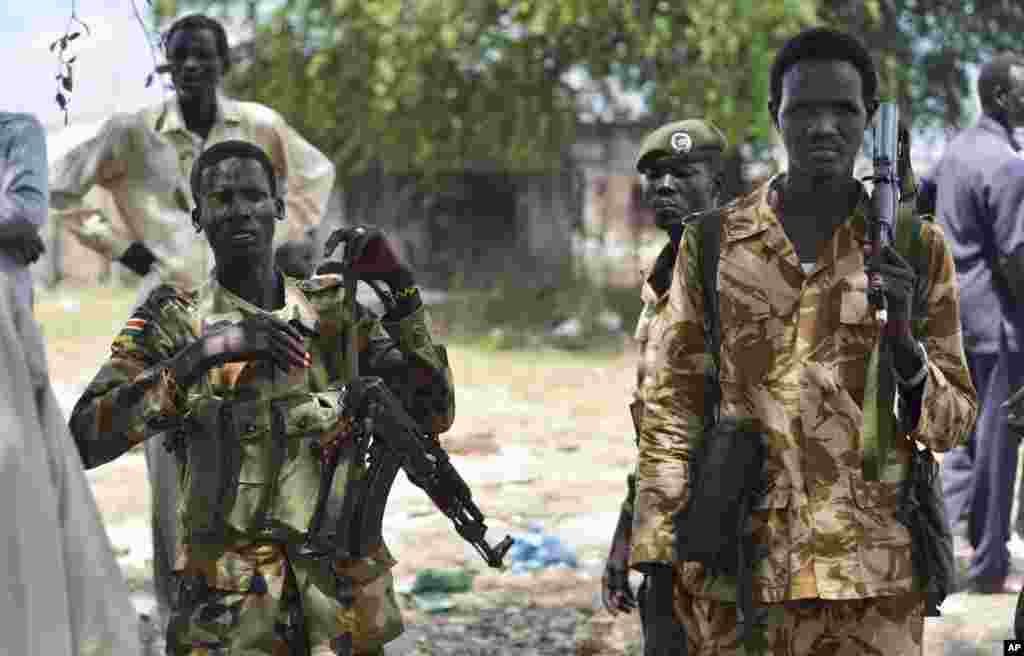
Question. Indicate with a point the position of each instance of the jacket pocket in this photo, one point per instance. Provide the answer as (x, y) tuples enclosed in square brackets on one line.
[(883, 545)]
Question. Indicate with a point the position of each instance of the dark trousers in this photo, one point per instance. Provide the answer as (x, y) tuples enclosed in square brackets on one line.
[(977, 479)]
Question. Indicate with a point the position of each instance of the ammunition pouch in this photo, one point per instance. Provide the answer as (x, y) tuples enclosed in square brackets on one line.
[(252, 468), (726, 482), (726, 472)]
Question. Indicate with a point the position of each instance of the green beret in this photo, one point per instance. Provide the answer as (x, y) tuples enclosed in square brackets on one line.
[(692, 139)]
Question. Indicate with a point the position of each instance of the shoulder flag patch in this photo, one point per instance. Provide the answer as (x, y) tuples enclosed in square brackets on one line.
[(135, 327)]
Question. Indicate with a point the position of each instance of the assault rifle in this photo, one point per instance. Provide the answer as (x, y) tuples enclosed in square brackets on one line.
[(385, 439)]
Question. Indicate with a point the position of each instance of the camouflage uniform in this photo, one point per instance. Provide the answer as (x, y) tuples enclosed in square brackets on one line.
[(650, 327), (794, 352), (701, 141), (234, 559), (144, 160)]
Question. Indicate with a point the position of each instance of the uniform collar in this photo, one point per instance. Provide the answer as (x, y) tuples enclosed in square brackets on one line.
[(171, 120), (216, 303), (759, 213)]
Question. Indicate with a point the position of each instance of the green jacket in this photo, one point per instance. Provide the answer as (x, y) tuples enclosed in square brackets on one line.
[(261, 482)]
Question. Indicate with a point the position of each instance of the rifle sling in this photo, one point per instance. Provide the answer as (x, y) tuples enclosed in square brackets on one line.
[(880, 429), (709, 255)]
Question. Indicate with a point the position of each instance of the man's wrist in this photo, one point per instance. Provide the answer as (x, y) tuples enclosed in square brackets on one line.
[(138, 258), (398, 279), (405, 294), (910, 365)]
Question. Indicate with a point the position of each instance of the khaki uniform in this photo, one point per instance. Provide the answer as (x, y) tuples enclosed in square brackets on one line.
[(795, 348), (650, 327), (144, 160), (690, 139), (239, 545)]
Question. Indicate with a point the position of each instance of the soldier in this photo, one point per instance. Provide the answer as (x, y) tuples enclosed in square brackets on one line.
[(682, 167), (144, 160), (836, 574), (253, 356)]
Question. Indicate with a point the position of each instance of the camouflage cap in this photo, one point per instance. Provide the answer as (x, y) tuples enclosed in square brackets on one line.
[(690, 139)]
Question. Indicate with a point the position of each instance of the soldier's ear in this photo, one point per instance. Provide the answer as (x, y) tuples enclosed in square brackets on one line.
[(195, 220), (279, 208)]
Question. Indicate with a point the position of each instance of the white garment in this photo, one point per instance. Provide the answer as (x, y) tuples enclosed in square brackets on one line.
[(66, 595)]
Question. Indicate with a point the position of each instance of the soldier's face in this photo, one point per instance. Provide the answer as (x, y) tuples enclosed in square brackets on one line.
[(196, 64), (822, 116), (237, 209), (675, 187)]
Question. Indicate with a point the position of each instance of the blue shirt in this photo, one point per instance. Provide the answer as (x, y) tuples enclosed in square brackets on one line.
[(980, 206), (24, 196)]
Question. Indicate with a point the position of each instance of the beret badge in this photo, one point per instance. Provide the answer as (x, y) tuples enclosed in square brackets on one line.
[(681, 142)]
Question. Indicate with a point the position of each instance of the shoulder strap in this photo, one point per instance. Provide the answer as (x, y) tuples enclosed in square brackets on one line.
[(710, 240), (909, 242)]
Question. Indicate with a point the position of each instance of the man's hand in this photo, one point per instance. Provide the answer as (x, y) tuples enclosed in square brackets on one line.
[(94, 229), (616, 595), (26, 249), (1015, 412), (899, 283), (370, 256), (254, 338), (663, 636)]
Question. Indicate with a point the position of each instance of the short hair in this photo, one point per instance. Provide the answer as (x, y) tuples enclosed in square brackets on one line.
[(199, 22), (227, 150), (822, 43), (994, 74)]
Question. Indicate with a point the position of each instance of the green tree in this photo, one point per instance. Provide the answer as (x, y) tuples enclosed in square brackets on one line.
[(925, 47), (436, 85)]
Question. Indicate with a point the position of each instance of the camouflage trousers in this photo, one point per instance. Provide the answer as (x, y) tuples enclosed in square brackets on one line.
[(893, 626), (239, 603)]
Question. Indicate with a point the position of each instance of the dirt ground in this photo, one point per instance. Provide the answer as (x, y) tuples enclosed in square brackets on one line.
[(539, 436)]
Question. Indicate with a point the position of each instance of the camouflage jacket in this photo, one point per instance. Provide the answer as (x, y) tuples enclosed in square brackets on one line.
[(795, 348), (649, 329), (132, 398)]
